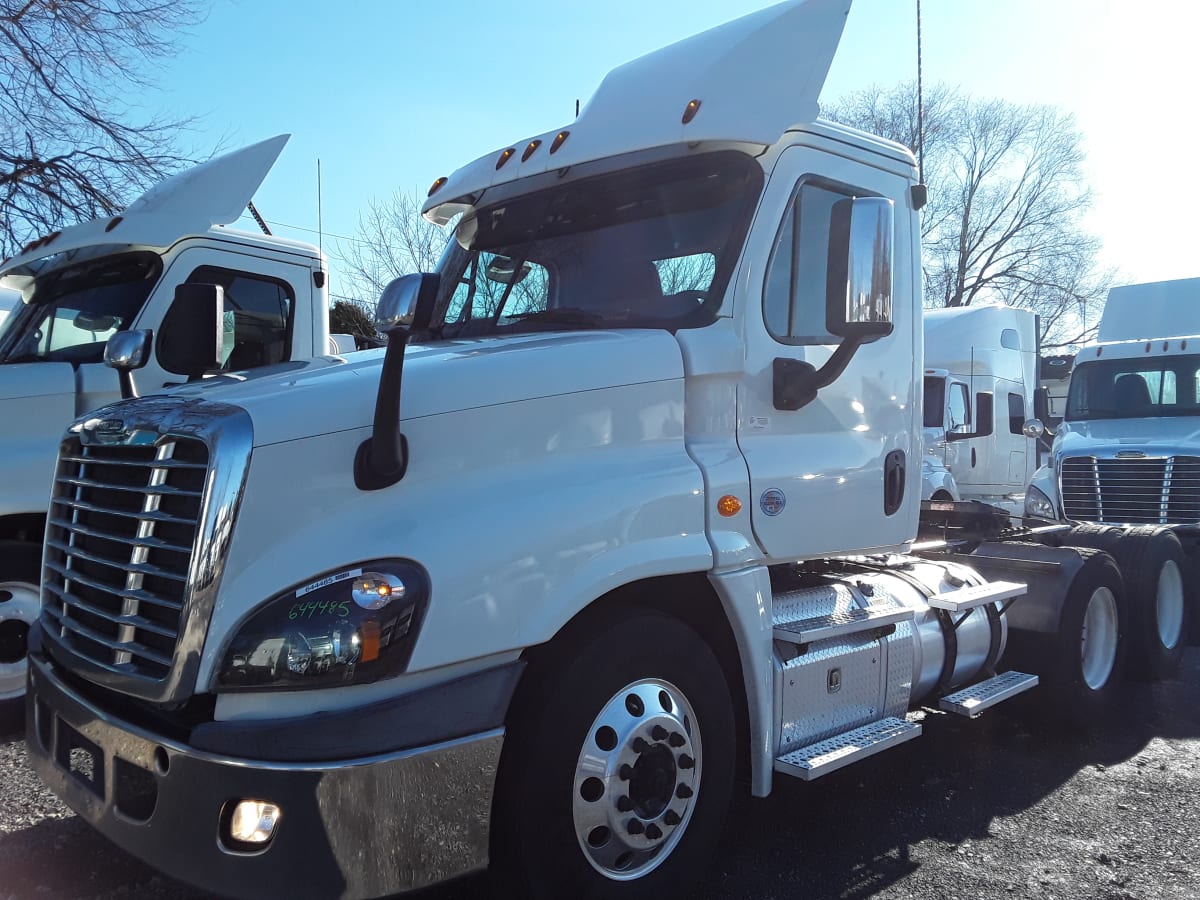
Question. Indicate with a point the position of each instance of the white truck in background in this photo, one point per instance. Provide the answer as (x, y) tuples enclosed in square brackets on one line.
[(979, 452), (1127, 453), (630, 519), (119, 276)]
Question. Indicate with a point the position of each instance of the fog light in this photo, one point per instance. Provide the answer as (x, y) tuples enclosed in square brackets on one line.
[(253, 822)]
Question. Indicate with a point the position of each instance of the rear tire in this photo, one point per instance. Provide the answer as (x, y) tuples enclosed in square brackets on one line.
[(618, 764), (1153, 564), (1082, 673), (20, 577)]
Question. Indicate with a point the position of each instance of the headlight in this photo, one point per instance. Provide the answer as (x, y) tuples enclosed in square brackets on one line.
[(1038, 504), (349, 627)]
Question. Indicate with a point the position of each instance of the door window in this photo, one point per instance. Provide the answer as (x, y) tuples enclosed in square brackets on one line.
[(958, 408), (1016, 413), (258, 317), (798, 270)]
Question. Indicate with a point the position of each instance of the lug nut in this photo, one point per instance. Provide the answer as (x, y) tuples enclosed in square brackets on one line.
[(676, 739), (640, 745), (658, 733), (685, 761), (653, 832), (624, 804), (672, 817), (683, 792), (625, 772), (635, 826)]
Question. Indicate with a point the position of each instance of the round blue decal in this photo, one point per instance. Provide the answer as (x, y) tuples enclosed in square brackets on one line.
[(772, 501)]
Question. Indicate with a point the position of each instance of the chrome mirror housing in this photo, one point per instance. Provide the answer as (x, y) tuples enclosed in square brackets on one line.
[(127, 350), (405, 301), (1033, 428)]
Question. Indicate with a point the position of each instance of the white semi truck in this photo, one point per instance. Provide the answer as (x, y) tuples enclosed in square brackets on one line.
[(986, 454), (1127, 453), (638, 523), (119, 276)]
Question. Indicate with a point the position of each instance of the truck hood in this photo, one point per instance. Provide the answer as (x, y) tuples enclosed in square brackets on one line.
[(330, 394), (778, 56), (212, 193), (1107, 437)]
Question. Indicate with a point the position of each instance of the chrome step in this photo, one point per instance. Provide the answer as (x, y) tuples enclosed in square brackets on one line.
[(840, 624), (976, 595), (833, 753), (975, 699)]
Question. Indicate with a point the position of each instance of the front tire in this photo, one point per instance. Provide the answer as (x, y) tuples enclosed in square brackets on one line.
[(618, 764), (20, 576)]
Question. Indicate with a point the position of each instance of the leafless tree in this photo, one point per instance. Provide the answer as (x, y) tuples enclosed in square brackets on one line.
[(392, 239), (1006, 202), (73, 141)]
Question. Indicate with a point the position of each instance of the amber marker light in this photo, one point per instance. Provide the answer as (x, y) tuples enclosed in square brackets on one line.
[(729, 505), (505, 157), (689, 111), (558, 140), (530, 150), (437, 186)]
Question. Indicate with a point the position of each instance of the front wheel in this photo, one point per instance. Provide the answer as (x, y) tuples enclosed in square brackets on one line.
[(618, 765), (19, 604)]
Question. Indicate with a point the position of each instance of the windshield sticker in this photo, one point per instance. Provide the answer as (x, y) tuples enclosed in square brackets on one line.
[(328, 580), (772, 501)]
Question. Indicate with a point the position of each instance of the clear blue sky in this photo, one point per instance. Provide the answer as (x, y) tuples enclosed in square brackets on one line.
[(393, 94)]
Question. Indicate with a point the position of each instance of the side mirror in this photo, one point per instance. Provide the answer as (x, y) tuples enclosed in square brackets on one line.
[(858, 298), (405, 307), (858, 302), (191, 335), (126, 351), (1033, 428), (985, 419), (1041, 404), (407, 303)]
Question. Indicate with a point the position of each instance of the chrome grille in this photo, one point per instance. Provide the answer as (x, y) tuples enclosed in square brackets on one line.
[(1136, 491), (119, 543)]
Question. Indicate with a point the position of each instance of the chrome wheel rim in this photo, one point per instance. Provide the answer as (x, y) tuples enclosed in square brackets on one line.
[(19, 605), (1098, 638), (637, 779), (1170, 605)]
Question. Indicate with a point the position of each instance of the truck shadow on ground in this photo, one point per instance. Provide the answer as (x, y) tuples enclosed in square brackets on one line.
[(846, 836)]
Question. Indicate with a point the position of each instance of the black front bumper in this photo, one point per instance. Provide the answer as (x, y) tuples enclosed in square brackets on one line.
[(362, 827)]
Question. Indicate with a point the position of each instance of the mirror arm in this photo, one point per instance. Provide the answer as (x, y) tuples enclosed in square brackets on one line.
[(795, 383), (128, 388), (382, 459)]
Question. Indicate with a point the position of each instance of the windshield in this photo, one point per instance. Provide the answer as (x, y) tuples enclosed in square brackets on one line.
[(72, 311), (1135, 388), (649, 246)]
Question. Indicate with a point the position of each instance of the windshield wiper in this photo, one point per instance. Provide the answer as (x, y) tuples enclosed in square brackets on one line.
[(565, 315)]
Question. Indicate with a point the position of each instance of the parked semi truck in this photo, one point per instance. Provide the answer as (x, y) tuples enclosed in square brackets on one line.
[(623, 511), (119, 276), (972, 454), (1127, 453)]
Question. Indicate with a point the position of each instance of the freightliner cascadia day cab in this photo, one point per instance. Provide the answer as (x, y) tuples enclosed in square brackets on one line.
[(1127, 453), (119, 276), (620, 515), (989, 349)]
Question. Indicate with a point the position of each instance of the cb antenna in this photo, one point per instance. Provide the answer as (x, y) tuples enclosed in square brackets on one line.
[(919, 191)]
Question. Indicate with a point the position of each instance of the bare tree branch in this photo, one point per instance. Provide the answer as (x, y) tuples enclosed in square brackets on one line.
[(1006, 201), (73, 145)]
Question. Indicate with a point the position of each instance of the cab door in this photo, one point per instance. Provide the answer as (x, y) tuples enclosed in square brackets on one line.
[(841, 473), (262, 297)]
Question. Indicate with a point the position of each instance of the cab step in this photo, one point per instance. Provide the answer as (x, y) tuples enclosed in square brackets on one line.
[(836, 752), (972, 701), (975, 595), (840, 624)]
